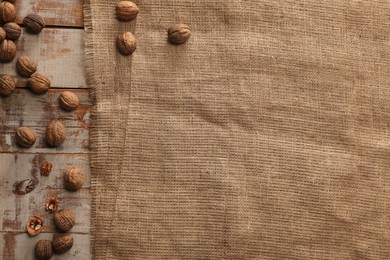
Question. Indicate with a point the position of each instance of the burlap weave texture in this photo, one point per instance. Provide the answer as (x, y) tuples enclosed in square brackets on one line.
[(265, 136)]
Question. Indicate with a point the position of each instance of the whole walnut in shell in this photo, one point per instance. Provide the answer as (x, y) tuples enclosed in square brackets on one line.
[(7, 51), (39, 83), (62, 243), (56, 133), (44, 250), (34, 226), (7, 85), (126, 43), (68, 100), (12, 30), (179, 33), (74, 178), (34, 23), (7, 12), (3, 34), (64, 220), (26, 66), (25, 137), (126, 10)]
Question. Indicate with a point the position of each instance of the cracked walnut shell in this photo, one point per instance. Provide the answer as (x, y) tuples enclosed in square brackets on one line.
[(126, 10), (26, 66), (39, 83), (44, 249), (7, 51), (25, 137), (68, 100), (34, 23), (7, 85), (126, 43), (7, 12), (56, 133), (62, 243), (74, 178), (52, 205), (34, 226), (64, 220), (179, 33)]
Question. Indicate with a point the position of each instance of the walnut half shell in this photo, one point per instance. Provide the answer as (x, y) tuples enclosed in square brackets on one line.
[(34, 226)]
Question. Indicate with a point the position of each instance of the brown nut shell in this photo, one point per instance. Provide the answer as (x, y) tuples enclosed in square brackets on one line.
[(7, 51), (62, 243), (7, 85), (126, 43), (68, 100), (7, 12), (126, 10), (56, 133), (74, 178), (34, 23), (44, 250), (34, 226), (25, 137), (12, 30), (64, 220), (26, 66), (39, 83), (52, 205), (179, 33), (3, 34)]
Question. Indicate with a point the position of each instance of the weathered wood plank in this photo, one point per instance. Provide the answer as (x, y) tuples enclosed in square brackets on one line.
[(25, 108), (55, 12), (59, 54), (21, 246)]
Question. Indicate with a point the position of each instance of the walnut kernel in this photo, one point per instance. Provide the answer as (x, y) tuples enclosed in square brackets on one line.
[(52, 205), (34, 226)]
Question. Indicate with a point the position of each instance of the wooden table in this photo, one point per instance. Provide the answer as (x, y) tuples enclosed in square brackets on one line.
[(59, 51)]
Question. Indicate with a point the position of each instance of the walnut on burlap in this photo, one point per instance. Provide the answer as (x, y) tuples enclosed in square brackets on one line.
[(265, 136)]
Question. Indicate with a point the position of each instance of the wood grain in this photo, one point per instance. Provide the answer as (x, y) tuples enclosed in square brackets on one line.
[(54, 12), (59, 54)]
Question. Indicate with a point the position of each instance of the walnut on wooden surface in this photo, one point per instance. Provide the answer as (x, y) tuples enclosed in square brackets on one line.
[(25, 137), (7, 85), (44, 250), (126, 10), (3, 34), (34, 226), (12, 30), (7, 51), (64, 220), (126, 43), (52, 205), (74, 178), (39, 83), (179, 33), (68, 100), (7, 12), (56, 133), (62, 243), (26, 66), (34, 23)]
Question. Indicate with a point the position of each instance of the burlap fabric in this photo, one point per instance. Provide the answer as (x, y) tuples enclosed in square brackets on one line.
[(266, 136)]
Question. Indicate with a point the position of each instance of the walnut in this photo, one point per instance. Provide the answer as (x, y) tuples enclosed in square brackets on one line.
[(126, 10), (52, 205), (3, 34), (126, 43), (34, 226), (46, 168), (7, 85), (39, 83), (25, 137), (7, 12), (34, 23), (179, 33), (26, 66), (56, 133), (12, 30), (44, 249), (64, 220), (74, 178), (62, 243), (7, 51), (68, 100)]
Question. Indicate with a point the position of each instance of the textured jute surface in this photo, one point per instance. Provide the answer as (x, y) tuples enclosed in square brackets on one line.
[(265, 136)]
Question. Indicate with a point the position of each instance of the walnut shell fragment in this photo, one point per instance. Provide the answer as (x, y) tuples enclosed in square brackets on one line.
[(62, 243), (56, 133), (179, 33), (52, 205), (25, 137), (44, 250), (68, 100), (64, 220), (34, 226)]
